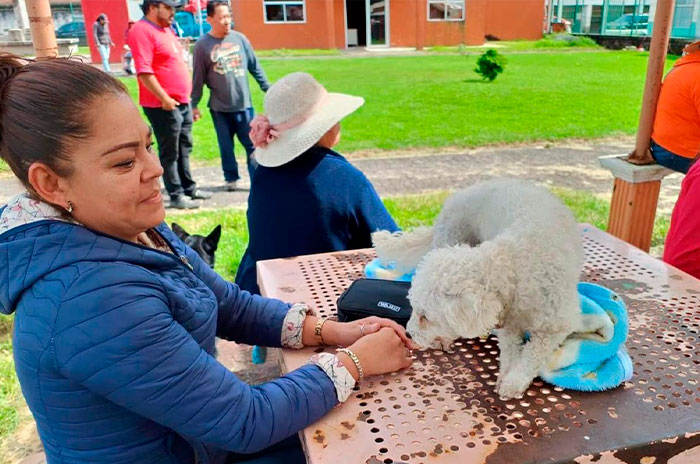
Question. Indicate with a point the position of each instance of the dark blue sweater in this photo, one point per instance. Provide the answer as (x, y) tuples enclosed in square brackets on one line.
[(316, 203)]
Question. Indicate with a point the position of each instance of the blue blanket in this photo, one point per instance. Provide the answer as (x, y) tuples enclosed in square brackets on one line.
[(591, 359)]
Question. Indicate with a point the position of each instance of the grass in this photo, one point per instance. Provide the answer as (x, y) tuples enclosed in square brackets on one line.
[(548, 42), (408, 211), (287, 52), (436, 101)]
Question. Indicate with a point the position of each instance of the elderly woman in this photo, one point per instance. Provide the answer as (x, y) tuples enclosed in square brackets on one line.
[(116, 319), (306, 198)]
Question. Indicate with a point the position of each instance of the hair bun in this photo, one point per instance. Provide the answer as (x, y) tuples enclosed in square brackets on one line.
[(10, 65)]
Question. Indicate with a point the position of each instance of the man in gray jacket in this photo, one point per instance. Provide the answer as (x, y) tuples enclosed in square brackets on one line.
[(222, 59), (103, 41)]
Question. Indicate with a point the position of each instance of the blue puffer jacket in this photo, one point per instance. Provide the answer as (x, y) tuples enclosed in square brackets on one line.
[(114, 349)]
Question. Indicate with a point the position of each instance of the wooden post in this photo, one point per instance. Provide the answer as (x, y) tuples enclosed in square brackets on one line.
[(655, 69), (638, 179), (42, 28), (634, 199)]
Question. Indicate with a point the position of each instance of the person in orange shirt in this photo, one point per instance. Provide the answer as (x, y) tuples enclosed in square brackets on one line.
[(675, 138)]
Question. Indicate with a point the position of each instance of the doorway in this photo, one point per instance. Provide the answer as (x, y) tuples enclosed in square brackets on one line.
[(356, 23), (367, 23)]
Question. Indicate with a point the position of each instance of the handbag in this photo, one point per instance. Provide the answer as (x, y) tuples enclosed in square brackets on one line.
[(375, 297)]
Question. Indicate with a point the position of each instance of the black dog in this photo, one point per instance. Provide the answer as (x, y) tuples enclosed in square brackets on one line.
[(205, 247)]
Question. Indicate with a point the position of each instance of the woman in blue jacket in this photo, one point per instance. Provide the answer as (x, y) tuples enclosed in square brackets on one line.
[(306, 198), (115, 318)]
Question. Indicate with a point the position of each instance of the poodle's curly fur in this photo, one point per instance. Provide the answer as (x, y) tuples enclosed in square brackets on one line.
[(503, 255)]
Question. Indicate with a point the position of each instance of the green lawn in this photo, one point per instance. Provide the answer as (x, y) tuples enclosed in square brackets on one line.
[(436, 101)]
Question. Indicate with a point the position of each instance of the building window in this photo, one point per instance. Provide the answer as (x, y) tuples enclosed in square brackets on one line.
[(446, 10), (277, 11)]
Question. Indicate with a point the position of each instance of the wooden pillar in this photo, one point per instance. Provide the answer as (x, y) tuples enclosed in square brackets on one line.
[(663, 21), (421, 18), (634, 199), (42, 28)]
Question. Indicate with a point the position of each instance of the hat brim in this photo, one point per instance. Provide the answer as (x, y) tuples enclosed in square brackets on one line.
[(293, 142)]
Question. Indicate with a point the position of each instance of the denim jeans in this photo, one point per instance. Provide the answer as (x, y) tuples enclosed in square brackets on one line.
[(173, 132), (104, 54), (670, 160), (227, 125)]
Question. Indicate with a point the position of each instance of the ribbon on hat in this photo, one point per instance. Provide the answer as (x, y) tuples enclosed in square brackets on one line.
[(262, 132)]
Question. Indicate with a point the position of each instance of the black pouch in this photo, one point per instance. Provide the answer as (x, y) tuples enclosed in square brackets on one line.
[(375, 297)]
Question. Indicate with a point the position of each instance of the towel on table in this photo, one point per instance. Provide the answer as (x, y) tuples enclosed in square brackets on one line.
[(591, 359), (594, 357), (375, 269)]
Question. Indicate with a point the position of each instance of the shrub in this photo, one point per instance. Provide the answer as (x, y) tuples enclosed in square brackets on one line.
[(565, 40), (490, 64)]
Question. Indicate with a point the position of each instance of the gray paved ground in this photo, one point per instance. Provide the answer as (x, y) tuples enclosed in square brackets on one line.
[(569, 164)]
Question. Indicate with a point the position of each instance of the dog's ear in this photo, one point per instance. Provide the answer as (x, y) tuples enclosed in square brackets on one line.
[(179, 231), (213, 238)]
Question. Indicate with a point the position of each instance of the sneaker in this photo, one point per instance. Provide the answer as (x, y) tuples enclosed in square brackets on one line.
[(200, 195), (182, 202), (231, 185)]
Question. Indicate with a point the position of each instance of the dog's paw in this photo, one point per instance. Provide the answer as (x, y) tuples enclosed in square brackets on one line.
[(443, 344), (512, 385)]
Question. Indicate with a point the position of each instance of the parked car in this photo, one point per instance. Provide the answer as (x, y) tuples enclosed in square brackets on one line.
[(189, 27), (629, 22), (73, 30)]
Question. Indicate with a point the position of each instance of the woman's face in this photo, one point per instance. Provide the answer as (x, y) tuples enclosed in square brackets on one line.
[(114, 185)]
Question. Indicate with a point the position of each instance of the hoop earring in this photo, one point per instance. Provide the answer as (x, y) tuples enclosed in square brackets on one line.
[(70, 207)]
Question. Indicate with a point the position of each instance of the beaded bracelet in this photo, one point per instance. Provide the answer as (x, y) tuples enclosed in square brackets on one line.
[(355, 360)]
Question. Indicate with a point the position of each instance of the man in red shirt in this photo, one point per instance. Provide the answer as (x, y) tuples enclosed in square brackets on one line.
[(682, 248), (164, 93)]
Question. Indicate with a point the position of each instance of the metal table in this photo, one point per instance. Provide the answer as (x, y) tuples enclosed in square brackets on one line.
[(444, 408)]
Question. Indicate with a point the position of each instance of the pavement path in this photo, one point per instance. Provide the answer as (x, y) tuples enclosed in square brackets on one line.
[(563, 164)]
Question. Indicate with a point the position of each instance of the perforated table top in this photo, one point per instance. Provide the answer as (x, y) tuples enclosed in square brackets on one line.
[(445, 409)]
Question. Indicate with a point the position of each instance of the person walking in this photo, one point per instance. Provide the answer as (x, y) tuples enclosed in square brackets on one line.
[(222, 59), (103, 41), (164, 93)]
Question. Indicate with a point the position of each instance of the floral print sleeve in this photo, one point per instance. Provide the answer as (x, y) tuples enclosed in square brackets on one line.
[(338, 373), (293, 324)]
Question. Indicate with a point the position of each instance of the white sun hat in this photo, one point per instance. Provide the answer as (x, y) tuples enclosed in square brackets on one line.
[(298, 112)]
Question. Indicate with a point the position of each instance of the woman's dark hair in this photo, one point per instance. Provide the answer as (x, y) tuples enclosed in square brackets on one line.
[(45, 106), (211, 6)]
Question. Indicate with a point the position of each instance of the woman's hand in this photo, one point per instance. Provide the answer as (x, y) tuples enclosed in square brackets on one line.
[(379, 353), (347, 333)]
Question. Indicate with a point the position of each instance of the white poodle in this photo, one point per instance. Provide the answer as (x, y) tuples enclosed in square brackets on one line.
[(503, 254)]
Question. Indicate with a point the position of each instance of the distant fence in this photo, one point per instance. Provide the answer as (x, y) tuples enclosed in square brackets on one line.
[(624, 17), (60, 17)]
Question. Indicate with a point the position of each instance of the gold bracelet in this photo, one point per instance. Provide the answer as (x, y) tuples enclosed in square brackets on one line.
[(317, 330), (355, 360)]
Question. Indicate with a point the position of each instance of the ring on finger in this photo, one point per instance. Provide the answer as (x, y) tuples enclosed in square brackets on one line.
[(362, 330)]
